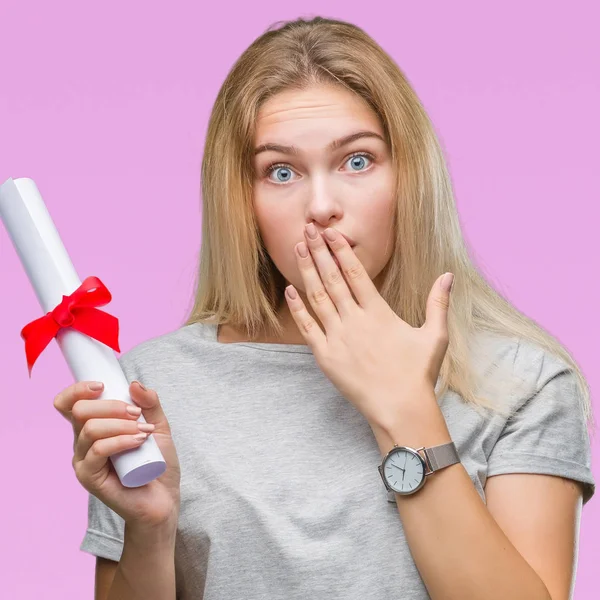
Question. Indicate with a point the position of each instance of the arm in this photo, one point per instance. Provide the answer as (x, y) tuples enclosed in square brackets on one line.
[(551, 511), (458, 547), (105, 575), (147, 566)]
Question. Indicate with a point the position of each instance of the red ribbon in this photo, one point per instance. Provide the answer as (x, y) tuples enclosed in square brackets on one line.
[(76, 311)]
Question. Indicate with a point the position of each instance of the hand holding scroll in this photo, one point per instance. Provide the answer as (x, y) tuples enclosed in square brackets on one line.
[(104, 427)]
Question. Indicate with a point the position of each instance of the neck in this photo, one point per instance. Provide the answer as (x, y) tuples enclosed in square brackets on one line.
[(227, 334)]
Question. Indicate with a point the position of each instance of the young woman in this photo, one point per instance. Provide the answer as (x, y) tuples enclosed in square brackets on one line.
[(369, 433)]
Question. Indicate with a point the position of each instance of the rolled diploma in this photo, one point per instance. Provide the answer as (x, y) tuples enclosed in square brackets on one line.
[(52, 275)]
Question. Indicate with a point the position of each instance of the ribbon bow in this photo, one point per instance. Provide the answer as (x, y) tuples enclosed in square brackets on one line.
[(76, 311)]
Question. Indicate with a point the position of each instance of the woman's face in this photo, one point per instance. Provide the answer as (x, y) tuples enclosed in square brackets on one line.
[(320, 185)]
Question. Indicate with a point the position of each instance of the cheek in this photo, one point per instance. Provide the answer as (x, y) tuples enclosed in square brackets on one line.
[(279, 243), (380, 233), (269, 224), (280, 246), (278, 234)]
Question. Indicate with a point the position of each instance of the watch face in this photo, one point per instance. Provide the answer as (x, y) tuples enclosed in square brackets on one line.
[(404, 471)]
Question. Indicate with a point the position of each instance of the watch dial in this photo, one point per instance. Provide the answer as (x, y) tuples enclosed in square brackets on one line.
[(404, 471)]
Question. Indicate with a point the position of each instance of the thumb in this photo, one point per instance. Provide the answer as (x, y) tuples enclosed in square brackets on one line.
[(438, 303), (148, 401)]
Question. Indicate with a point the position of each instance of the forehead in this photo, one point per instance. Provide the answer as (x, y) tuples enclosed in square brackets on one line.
[(326, 109)]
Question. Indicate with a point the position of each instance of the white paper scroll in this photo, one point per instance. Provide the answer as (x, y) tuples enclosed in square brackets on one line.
[(52, 275)]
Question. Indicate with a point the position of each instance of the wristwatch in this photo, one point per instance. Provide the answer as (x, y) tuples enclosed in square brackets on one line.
[(404, 471)]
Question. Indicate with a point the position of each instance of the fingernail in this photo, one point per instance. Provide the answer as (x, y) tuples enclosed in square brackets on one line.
[(136, 411), (302, 250), (95, 386), (141, 385), (330, 234), (312, 231), (447, 282), (147, 427)]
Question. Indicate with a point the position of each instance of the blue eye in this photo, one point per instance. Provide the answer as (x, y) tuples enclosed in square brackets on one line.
[(283, 168), (357, 160)]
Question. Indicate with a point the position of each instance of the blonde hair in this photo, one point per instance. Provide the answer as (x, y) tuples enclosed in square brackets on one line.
[(238, 283)]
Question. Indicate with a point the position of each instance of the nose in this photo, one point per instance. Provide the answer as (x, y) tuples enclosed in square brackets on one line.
[(323, 208)]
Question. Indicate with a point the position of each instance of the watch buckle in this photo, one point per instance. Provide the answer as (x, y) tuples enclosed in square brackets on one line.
[(426, 458)]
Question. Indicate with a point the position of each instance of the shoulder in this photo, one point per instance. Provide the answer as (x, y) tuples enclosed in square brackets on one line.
[(545, 430), (522, 356), (537, 364), (516, 368)]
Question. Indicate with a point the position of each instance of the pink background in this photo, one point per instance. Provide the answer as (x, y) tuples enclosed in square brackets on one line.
[(106, 106)]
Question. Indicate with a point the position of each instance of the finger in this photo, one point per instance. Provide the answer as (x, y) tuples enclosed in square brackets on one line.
[(331, 276), (316, 293), (147, 399), (97, 456), (437, 307), (354, 272), (309, 328), (83, 410), (98, 429), (64, 401)]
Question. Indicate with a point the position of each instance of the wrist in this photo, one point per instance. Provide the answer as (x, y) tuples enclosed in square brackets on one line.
[(420, 424), (161, 534), (402, 407), (146, 568)]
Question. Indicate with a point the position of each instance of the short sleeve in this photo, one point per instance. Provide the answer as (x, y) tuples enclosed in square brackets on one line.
[(105, 532), (105, 529), (547, 435)]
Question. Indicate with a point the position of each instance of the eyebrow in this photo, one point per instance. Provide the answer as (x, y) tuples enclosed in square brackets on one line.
[(335, 145)]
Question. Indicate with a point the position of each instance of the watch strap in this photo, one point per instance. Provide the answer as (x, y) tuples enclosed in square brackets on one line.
[(441, 456)]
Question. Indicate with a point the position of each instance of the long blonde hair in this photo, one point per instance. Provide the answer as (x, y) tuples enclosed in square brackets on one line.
[(239, 284)]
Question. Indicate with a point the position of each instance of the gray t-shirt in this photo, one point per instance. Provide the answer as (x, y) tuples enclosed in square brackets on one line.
[(280, 493)]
